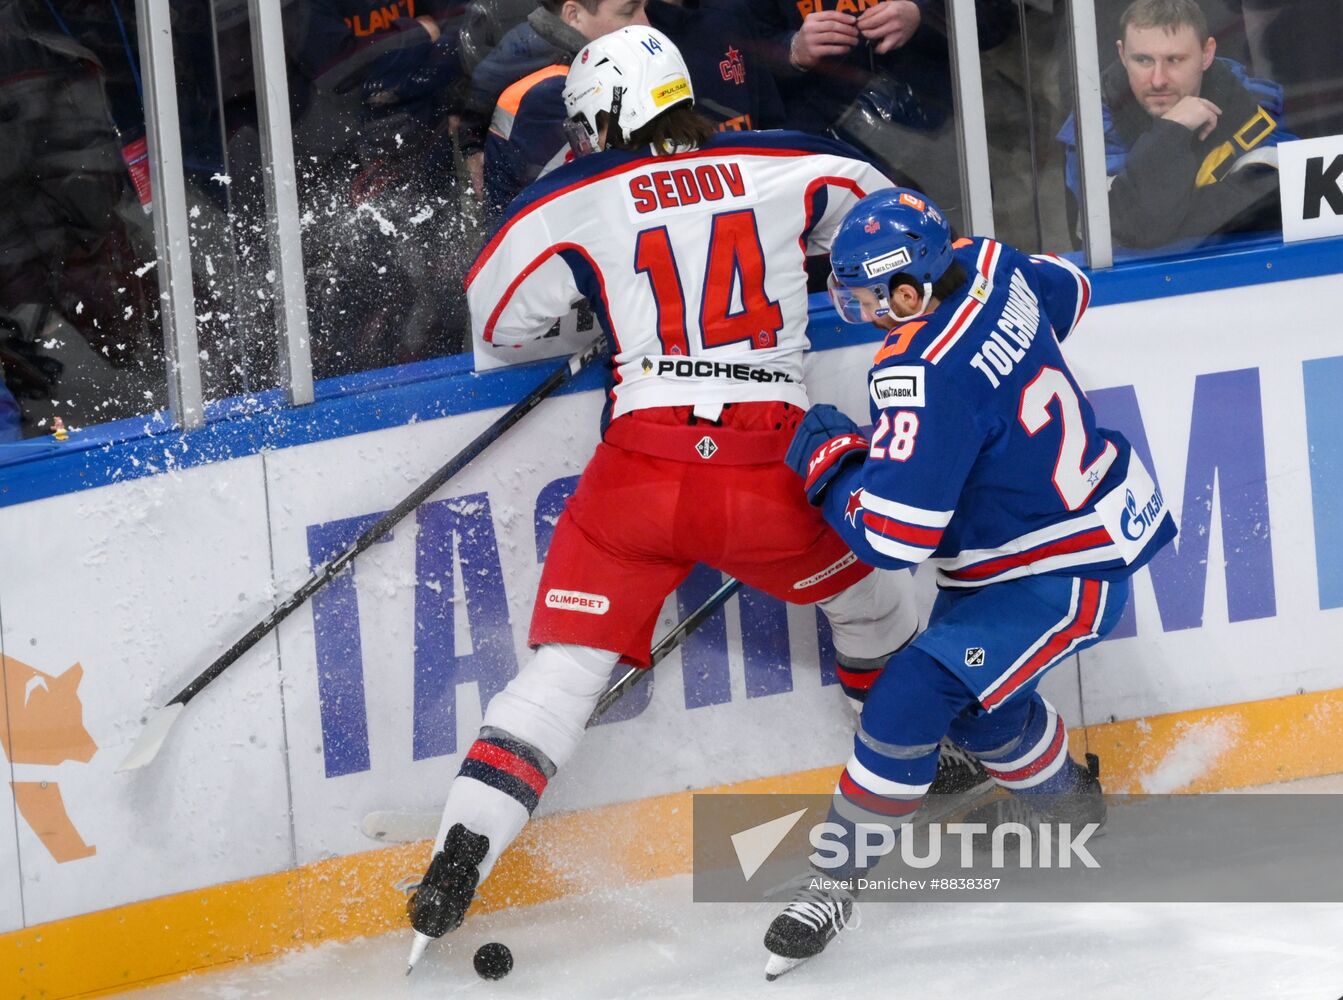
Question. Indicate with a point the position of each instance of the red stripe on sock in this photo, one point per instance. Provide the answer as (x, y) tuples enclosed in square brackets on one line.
[(510, 763), (874, 803), (1051, 754), (860, 679)]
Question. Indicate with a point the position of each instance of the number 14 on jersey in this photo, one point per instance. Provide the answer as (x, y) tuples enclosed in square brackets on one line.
[(735, 260)]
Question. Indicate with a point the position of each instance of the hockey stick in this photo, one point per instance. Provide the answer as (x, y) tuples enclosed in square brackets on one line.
[(159, 721), (403, 827), (668, 642), (958, 775)]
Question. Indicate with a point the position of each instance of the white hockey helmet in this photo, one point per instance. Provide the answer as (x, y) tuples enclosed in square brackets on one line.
[(633, 75)]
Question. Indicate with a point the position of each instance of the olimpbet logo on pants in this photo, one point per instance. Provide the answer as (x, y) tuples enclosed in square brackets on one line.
[(576, 600)]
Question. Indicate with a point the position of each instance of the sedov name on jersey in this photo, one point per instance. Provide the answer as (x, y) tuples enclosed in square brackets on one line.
[(682, 187)]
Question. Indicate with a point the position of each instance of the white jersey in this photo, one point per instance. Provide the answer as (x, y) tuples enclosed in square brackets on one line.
[(693, 263)]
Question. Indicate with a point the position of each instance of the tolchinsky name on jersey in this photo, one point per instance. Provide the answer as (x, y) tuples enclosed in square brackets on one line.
[(1006, 345)]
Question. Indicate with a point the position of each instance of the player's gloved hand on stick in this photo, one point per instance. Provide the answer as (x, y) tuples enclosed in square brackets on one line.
[(824, 443)]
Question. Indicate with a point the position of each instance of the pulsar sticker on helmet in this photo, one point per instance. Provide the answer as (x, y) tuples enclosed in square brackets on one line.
[(676, 90)]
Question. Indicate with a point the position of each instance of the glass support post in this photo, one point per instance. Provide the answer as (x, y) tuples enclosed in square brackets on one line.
[(1095, 193), (171, 233), (971, 128), (282, 216)]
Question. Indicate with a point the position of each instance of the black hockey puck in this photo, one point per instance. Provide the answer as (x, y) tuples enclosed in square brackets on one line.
[(493, 961)]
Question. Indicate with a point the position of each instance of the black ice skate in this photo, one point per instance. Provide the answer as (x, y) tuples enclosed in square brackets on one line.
[(958, 773), (806, 926), (439, 903), (1084, 804)]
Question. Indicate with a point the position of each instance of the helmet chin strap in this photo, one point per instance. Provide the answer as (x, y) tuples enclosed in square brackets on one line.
[(613, 116), (927, 297), (923, 306)]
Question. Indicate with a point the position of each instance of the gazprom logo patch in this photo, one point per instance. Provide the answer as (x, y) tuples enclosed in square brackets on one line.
[(896, 260), (1135, 521)]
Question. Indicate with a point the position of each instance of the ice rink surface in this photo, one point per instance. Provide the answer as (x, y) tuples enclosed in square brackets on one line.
[(651, 941)]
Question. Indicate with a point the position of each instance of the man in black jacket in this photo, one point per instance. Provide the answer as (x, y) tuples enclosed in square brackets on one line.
[(1189, 137)]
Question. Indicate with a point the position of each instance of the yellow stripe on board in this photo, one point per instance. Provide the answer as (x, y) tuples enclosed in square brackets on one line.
[(160, 939), (1210, 749)]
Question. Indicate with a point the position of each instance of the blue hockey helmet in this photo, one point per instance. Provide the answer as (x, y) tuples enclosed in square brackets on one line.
[(893, 231)]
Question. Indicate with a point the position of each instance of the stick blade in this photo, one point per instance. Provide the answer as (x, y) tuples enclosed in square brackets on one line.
[(151, 738)]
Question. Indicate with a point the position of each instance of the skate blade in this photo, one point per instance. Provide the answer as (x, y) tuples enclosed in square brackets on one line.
[(778, 965)]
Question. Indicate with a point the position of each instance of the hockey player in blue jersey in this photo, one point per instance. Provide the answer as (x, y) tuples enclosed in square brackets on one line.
[(985, 460)]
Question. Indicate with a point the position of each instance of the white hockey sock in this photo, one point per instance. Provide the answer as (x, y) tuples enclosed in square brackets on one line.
[(548, 703), (530, 729), (870, 621), (875, 616), (482, 809)]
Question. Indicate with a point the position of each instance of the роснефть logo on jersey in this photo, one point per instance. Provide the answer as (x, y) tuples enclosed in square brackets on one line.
[(700, 368)]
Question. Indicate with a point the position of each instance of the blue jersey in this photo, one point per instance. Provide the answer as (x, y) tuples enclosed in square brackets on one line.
[(985, 456)]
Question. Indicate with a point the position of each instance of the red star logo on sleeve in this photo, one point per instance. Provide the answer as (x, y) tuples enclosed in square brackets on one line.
[(854, 507)]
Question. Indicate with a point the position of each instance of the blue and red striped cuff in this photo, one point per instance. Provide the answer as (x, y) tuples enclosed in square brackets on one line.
[(513, 767), (857, 683)]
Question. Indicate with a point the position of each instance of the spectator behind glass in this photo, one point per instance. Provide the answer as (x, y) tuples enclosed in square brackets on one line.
[(396, 53), (378, 88), (1189, 137), (877, 74), (373, 76), (73, 237), (527, 130)]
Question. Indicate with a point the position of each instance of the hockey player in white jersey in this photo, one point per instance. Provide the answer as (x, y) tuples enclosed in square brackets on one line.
[(690, 247), (985, 460)]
